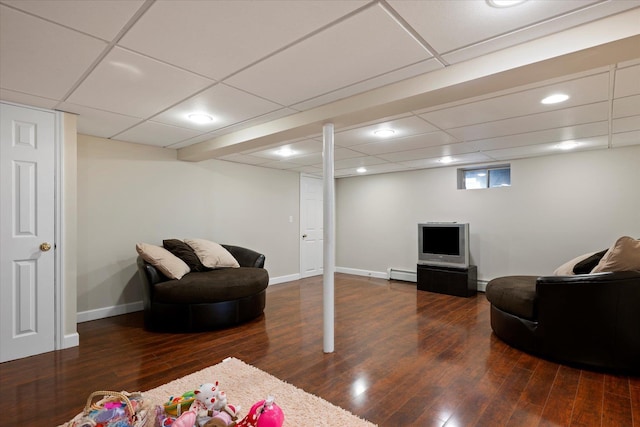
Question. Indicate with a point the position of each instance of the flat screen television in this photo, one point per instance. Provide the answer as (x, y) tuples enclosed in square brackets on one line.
[(443, 243)]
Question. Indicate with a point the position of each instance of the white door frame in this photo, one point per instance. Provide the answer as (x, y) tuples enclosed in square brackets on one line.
[(59, 273)]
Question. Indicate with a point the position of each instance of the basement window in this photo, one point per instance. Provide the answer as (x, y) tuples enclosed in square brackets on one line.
[(485, 177)]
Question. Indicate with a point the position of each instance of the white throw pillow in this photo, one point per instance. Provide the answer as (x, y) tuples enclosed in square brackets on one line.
[(168, 264), (211, 254)]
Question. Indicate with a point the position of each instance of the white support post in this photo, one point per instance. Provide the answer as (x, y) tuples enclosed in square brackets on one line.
[(329, 258)]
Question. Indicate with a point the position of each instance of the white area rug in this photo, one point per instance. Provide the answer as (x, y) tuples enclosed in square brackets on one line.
[(245, 385)]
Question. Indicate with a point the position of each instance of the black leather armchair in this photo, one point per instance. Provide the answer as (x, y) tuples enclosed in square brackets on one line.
[(205, 300), (591, 320)]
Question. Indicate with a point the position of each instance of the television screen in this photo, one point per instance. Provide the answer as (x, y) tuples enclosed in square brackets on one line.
[(441, 240), (443, 244)]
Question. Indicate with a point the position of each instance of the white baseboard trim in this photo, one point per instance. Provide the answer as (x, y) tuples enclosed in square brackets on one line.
[(101, 313), (70, 340), (283, 279), (358, 272)]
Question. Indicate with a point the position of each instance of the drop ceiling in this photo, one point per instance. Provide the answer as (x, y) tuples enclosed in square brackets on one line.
[(271, 72)]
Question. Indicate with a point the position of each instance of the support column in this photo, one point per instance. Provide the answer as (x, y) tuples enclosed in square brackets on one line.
[(329, 253)]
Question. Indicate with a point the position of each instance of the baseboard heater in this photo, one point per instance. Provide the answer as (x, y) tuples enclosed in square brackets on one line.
[(412, 276), (404, 275)]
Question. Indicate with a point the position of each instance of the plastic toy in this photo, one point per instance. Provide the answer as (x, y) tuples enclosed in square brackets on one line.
[(264, 413), (177, 405)]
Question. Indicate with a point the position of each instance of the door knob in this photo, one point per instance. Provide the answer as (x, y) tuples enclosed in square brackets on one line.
[(44, 247), (304, 236)]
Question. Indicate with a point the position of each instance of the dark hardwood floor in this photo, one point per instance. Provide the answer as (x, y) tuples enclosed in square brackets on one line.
[(402, 358)]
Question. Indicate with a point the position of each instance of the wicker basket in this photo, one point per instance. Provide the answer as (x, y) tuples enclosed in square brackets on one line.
[(138, 413)]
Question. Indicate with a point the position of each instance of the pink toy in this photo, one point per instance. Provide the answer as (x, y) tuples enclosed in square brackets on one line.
[(187, 419), (264, 413)]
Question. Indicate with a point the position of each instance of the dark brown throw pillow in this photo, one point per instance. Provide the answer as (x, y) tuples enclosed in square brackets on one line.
[(586, 265), (185, 253)]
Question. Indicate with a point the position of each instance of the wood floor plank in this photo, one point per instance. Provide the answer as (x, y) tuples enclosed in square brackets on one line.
[(559, 406), (403, 358), (587, 408)]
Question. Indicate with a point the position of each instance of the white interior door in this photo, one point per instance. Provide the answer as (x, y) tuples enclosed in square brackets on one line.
[(311, 238), (27, 222)]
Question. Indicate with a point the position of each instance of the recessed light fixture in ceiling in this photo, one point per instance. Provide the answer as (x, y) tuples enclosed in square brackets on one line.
[(285, 152), (384, 133), (504, 3), (361, 170), (446, 159), (567, 145), (200, 118), (555, 98)]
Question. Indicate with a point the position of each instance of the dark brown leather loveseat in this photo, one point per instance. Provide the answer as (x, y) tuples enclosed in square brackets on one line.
[(591, 320), (205, 300)]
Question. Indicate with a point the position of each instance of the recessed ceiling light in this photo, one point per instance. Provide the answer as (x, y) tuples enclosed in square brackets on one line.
[(555, 98), (285, 152), (200, 118), (504, 3), (384, 133), (567, 145), (446, 159), (361, 170)]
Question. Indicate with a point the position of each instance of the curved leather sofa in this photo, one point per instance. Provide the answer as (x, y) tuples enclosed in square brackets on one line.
[(591, 320), (205, 300)]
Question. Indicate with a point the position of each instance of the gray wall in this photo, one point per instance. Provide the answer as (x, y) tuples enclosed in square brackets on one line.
[(558, 207), (129, 193)]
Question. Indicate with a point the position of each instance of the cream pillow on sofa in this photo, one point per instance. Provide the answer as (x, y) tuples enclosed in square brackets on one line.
[(566, 269), (211, 254), (623, 255), (168, 264)]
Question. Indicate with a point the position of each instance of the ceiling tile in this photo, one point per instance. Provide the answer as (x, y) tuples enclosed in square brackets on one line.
[(102, 19), (627, 81), (152, 133), (41, 58), (586, 90), (382, 46), (535, 29), (627, 106), (402, 127), (625, 138), (403, 144), (97, 122), (371, 169), (309, 170), (627, 124), (225, 104), (284, 165), (26, 99), (546, 149), (356, 162), (460, 159), (274, 115), (553, 119), (567, 133), (218, 38), (450, 25), (134, 85), (430, 152), (372, 83)]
